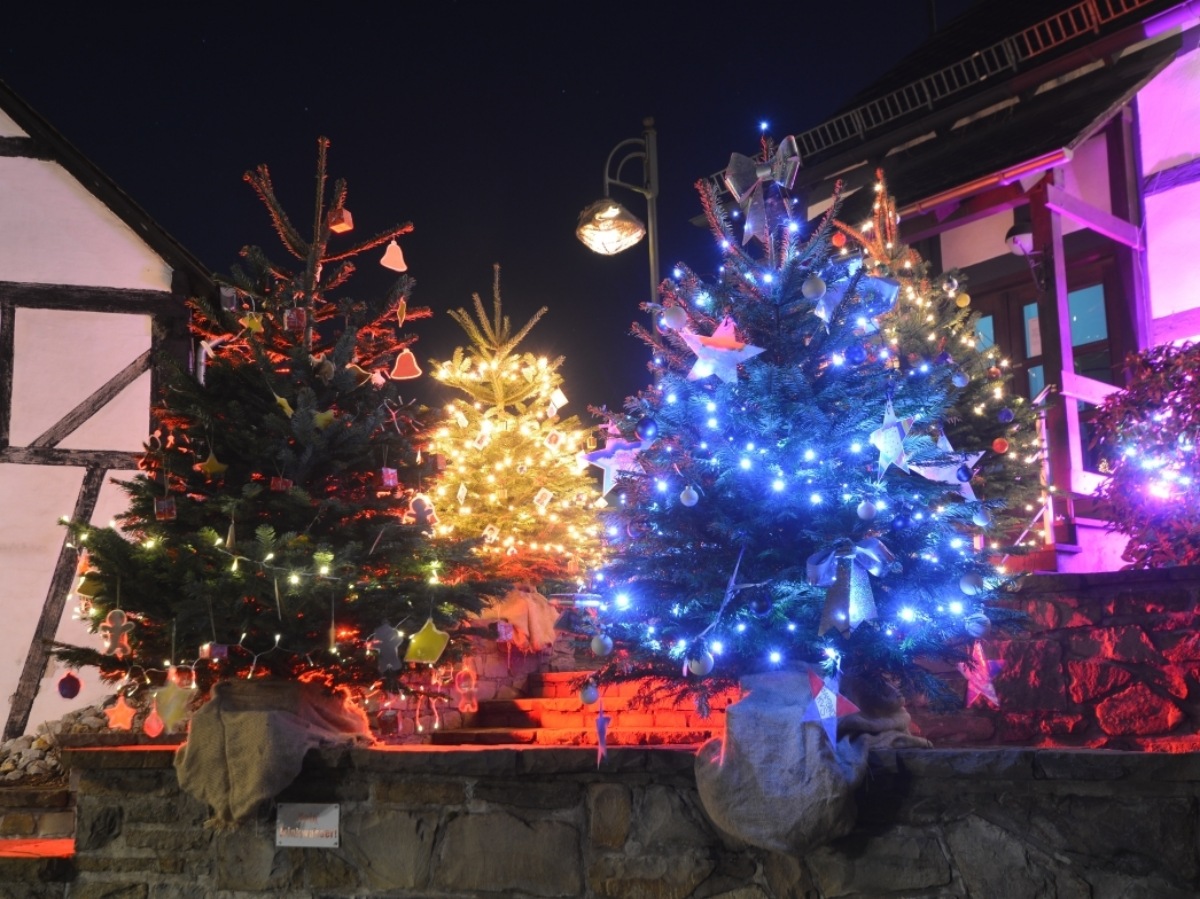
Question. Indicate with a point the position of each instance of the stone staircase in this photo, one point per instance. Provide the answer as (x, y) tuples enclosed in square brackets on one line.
[(552, 714), (36, 812)]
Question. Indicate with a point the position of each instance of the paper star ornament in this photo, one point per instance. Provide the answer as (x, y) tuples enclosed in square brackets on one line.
[(172, 701), (252, 322), (947, 472), (827, 304), (212, 467), (827, 704), (427, 644), (888, 438), (120, 714), (617, 456), (720, 353), (386, 642), (979, 673)]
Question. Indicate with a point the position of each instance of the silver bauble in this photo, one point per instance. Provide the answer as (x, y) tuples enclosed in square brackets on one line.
[(701, 665)]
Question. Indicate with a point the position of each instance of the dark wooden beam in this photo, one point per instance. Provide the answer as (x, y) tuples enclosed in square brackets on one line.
[(88, 299), (94, 403), (75, 458), (25, 147), (1176, 176), (52, 610), (8, 318)]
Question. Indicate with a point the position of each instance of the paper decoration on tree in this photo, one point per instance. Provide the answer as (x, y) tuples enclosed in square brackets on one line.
[(212, 467), (618, 455), (294, 319), (554, 439), (845, 571), (558, 399), (464, 683), (491, 534), (827, 704), (322, 420), (748, 179), (718, 354), (831, 298), (386, 640), (947, 472), (173, 703), (340, 220), (889, 440), (421, 512), (427, 644), (542, 498), (120, 714), (461, 494), (361, 375), (115, 632), (482, 439), (164, 509), (214, 651), (405, 367), (401, 312), (602, 722), (389, 478), (252, 322), (979, 673), (284, 406), (153, 725), (393, 258), (280, 485)]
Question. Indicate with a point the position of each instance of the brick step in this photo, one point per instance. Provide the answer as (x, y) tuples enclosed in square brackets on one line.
[(548, 736), (36, 812), (559, 713)]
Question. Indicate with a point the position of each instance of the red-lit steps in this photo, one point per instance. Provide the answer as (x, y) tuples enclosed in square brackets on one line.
[(553, 715)]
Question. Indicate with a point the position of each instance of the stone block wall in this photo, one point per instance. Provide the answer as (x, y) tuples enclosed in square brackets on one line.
[(1103, 660), (548, 823)]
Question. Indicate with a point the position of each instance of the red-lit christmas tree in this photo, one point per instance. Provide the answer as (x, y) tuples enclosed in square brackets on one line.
[(275, 527)]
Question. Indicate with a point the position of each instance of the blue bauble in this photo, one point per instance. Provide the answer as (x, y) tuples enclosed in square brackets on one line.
[(960, 378), (963, 473), (856, 354), (68, 686), (646, 429), (899, 521), (1005, 416)]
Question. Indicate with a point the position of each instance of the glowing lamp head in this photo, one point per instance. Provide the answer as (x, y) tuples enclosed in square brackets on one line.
[(606, 227)]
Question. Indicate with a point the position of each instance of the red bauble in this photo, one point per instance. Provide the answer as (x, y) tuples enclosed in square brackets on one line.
[(1000, 445), (838, 239)]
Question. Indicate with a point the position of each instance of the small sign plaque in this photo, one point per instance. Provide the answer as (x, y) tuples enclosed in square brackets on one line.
[(307, 824)]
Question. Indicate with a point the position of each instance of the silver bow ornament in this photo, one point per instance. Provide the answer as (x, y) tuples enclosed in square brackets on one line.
[(846, 569), (745, 178)]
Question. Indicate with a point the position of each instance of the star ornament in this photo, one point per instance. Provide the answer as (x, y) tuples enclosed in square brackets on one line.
[(617, 456), (718, 354), (947, 472), (827, 704), (120, 714), (979, 673), (888, 438)]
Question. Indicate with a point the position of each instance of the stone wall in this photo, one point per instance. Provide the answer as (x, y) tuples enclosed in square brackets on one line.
[(1103, 660), (547, 823)]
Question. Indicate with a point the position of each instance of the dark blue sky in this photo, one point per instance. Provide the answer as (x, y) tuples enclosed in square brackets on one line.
[(486, 125)]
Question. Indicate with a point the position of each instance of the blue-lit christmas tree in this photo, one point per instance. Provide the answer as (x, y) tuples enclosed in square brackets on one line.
[(826, 468)]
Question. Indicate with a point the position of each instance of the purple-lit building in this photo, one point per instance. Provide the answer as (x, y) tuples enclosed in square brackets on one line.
[(1050, 150)]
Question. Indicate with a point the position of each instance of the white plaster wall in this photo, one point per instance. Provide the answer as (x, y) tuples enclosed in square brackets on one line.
[(9, 128), (61, 358), (976, 241), (1172, 229), (1086, 176), (29, 548), (53, 231), (1169, 115)]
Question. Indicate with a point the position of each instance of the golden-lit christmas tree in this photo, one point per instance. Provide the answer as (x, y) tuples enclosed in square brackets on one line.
[(513, 479)]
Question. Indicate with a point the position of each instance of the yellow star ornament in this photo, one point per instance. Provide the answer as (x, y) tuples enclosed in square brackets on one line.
[(120, 714), (427, 644), (212, 466), (324, 419)]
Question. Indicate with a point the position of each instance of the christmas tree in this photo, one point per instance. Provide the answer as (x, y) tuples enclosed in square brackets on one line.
[(276, 526), (826, 467), (513, 483)]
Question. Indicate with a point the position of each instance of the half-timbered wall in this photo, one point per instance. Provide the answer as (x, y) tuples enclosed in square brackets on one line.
[(84, 305)]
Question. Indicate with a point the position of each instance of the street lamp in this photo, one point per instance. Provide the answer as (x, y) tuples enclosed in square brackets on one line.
[(607, 227)]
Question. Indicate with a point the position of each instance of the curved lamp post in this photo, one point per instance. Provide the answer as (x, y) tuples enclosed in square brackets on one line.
[(607, 227)]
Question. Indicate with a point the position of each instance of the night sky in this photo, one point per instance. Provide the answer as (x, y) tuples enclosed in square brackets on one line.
[(486, 125)]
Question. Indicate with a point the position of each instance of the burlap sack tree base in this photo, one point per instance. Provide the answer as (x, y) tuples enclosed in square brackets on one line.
[(775, 781), (248, 742)]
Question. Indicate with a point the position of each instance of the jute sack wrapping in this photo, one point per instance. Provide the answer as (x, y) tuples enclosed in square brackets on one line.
[(248, 742)]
